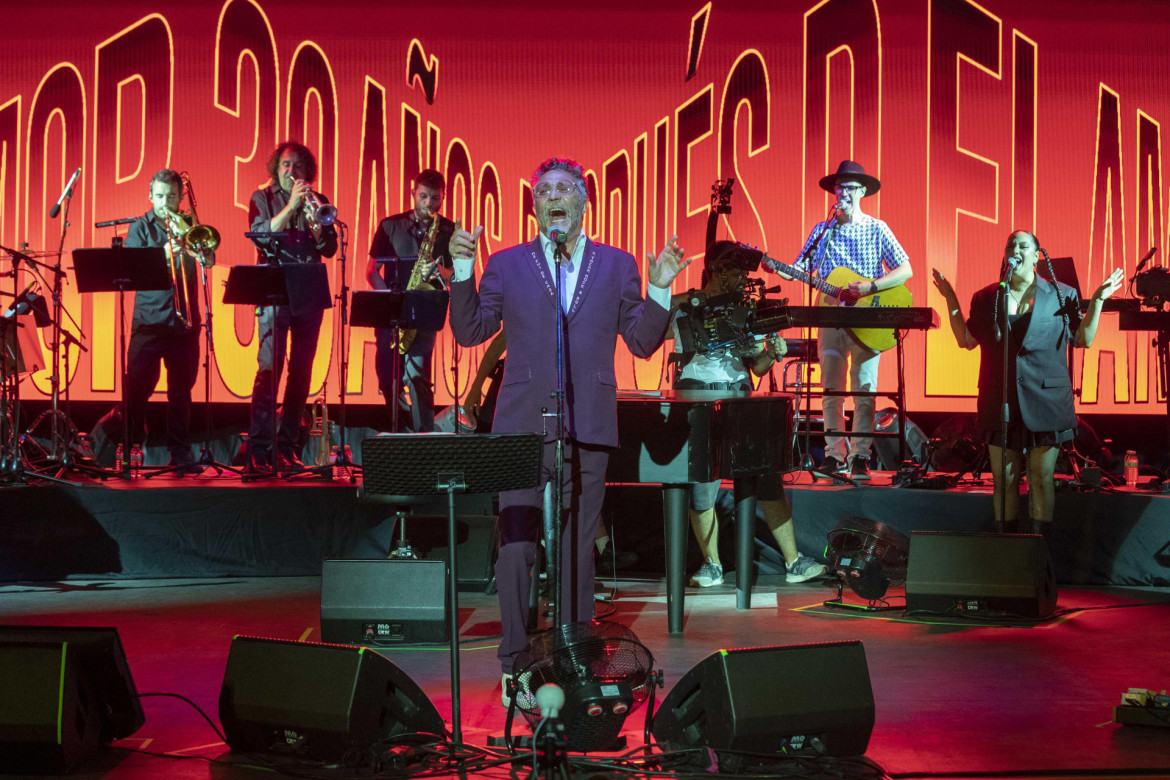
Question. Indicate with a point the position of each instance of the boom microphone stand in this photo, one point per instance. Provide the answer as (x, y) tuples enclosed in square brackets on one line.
[(828, 228), (340, 457)]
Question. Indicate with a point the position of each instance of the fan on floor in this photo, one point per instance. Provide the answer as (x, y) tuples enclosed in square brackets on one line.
[(604, 671), (868, 557)]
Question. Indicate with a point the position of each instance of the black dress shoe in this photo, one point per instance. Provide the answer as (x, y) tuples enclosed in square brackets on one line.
[(288, 461), (184, 466), (830, 465), (257, 463)]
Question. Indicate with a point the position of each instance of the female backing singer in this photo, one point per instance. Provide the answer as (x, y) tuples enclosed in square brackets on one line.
[(1043, 316)]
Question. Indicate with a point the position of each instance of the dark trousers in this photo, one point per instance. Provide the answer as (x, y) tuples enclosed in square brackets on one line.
[(301, 332), (179, 352), (521, 524), (414, 371)]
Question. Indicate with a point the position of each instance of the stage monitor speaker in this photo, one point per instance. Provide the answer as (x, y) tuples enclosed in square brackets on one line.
[(318, 702), (986, 574), (797, 699), (384, 601), (65, 691)]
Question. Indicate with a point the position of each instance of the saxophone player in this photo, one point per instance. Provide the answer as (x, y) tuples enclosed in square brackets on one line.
[(289, 205), (401, 235), (166, 323)]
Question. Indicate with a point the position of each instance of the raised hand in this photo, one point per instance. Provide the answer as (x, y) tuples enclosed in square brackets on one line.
[(668, 265), (943, 285), (1111, 285), (463, 244)]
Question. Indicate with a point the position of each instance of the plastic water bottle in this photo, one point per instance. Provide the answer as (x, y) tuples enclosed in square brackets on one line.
[(1131, 469), (135, 461), (118, 458)]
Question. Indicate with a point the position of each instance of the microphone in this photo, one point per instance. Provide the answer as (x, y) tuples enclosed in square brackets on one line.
[(53, 212), (1013, 261), (1146, 259), (557, 236), (770, 290), (550, 697)]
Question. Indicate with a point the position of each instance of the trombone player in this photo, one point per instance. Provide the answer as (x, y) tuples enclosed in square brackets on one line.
[(166, 322), (288, 205)]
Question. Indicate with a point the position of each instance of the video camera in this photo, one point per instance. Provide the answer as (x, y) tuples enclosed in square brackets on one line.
[(735, 321)]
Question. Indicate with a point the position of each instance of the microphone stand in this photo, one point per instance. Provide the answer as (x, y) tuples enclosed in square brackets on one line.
[(556, 532), (1005, 408)]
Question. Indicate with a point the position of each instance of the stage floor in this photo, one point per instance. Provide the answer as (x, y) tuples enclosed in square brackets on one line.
[(951, 698)]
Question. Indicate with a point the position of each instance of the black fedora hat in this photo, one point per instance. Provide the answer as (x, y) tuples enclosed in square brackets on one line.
[(851, 170)]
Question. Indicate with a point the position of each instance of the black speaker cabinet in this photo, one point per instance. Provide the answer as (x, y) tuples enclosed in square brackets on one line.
[(317, 701), (63, 691), (989, 574), (426, 529), (384, 601), (794, 699)]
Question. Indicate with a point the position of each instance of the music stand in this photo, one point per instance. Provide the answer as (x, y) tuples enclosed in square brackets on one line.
[(414, 464), (118, 269), (260, 285), (399, 310)]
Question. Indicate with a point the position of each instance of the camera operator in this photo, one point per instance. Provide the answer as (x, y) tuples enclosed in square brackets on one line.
[(725, 277)]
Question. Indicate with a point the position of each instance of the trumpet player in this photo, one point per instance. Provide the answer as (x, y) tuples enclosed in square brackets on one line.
[(166, 322), (401, 235), (288, 205)]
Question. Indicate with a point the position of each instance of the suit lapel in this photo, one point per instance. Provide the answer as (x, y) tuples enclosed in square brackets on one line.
[(1042, 315), (589, 268), (539, 266)]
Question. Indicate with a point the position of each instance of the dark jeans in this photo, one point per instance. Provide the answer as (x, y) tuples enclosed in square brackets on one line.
[(179, 352), (418, 416), (303, 330)]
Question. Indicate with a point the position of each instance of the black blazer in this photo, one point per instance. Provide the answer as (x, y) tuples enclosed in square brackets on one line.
[(1038, 369)]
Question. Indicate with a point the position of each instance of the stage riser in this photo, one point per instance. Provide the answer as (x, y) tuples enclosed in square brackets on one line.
[(54, 533)]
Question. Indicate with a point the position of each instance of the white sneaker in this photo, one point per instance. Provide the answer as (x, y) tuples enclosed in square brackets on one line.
[(505, 699), (802, 569), (710, 573)]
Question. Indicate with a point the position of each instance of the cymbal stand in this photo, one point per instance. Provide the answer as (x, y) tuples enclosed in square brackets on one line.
[(58, 450)]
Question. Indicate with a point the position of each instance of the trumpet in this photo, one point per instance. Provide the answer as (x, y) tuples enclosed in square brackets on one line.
[(318, 213)]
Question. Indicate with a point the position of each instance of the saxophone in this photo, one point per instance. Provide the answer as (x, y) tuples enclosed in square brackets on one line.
[(425, 250)]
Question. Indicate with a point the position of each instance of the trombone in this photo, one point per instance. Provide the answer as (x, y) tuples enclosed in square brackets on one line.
[(186, 234)]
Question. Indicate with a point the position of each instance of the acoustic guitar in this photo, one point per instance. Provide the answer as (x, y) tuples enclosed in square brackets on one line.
[(833, 292)]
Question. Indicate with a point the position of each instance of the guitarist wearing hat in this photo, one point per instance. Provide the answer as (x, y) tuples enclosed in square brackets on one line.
[(874, 262)]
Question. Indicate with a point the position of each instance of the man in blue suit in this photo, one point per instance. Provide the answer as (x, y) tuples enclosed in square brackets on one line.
[(602, 299)]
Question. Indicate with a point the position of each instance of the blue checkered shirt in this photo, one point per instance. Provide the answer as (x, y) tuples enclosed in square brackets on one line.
[(866, 246)]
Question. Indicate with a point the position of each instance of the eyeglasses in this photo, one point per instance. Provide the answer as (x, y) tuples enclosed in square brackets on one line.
[(848, 189), (546, 189)]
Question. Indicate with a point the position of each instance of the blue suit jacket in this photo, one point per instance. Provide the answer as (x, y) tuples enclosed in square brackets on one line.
[(518, 291)]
